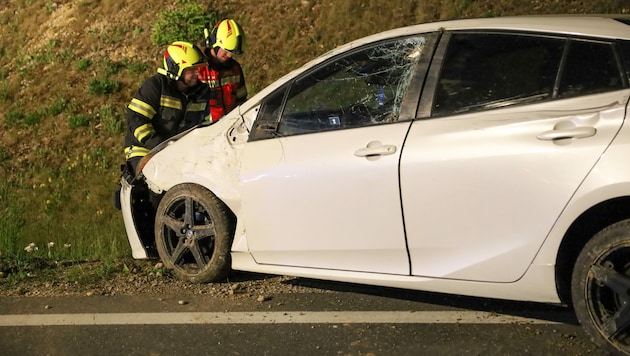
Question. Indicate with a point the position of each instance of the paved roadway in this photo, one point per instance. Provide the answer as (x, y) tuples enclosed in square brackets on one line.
[(344, 320)]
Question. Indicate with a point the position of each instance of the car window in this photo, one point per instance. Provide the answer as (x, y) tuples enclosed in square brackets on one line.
[(482, 71), (590, 67), (624, 50), (364, 87)]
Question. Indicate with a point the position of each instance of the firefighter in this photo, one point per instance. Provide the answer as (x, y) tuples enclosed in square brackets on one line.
[(167, 103), (224, 75)]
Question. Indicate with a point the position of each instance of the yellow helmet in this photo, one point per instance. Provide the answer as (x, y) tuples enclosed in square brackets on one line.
[(228, 35), (179, 56)]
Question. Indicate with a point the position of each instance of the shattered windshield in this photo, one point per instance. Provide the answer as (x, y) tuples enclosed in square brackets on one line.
[(363, 88)]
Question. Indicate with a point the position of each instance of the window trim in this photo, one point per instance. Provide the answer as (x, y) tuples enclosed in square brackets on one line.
[(429, 91)]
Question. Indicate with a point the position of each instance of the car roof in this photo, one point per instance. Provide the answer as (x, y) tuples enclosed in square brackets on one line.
[(606, 26), (610, 26)]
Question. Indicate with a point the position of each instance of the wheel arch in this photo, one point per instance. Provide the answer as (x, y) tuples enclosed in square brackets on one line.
[(579, 233), (228, 208)]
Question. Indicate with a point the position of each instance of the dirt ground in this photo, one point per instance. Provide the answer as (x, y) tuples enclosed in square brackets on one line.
[(129, 277)]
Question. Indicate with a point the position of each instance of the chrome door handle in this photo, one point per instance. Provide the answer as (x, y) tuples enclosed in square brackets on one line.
[(575, 132), (375, 150)]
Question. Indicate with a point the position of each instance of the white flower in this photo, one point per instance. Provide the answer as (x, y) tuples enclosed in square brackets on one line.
[(31, 247), (51, 244), (67, 245)]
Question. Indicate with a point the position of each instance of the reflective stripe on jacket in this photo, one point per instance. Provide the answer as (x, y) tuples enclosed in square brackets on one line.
[(159, 111)]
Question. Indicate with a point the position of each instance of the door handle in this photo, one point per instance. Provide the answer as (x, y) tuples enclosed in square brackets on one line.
[(575, 132), (374, 149)]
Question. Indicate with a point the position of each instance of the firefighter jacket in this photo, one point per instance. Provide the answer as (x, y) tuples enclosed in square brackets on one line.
[(159, 111), (227, 86)]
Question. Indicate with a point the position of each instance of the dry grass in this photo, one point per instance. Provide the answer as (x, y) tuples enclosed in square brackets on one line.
[(56, 52)]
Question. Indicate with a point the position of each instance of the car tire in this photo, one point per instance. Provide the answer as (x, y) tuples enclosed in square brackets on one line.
[(600, 288), (193, 234)]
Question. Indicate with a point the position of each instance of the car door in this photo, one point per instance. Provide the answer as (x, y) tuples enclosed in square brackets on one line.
[(320, 174), (504, 144)]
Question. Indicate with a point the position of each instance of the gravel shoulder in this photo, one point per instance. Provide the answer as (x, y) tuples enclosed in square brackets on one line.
[(131, 277)]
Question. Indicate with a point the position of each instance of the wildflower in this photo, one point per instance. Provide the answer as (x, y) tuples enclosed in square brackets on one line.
[(99, 212), (51, 244), (42, 185), (47, 201), (67, 245), (31, 247)]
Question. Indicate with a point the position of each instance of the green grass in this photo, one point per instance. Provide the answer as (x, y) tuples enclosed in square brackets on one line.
[(84, 64), (58, 106), (78, 121), (103, 86), (112, 118), (63, 100)]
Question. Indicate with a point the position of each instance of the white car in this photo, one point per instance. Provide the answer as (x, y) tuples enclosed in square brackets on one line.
[(482, 157)]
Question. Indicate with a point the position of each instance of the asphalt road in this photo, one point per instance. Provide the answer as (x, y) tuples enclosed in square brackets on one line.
[(342, 321)]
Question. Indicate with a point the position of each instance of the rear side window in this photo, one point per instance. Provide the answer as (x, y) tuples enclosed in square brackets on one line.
[(482, 71), (590, 68), (485, 71)]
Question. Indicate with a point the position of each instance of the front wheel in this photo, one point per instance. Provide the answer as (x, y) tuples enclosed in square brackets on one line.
[(600, 288), (193, 234)]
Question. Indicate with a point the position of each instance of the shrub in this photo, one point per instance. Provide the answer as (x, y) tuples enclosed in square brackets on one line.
[(184, 23)]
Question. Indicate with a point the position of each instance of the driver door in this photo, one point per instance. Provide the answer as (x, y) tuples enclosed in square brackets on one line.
[(320, 173)]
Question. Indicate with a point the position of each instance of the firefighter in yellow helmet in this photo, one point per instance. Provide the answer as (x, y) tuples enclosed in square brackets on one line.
[(167, 103), (224, 75)]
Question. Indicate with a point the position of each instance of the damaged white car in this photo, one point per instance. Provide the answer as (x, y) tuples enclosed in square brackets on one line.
[(485, 157)]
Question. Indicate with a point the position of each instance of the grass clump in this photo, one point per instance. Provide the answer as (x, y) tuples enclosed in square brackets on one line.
[(84, 64), (58, 106), (111, 119), (103, 86), (78, 121)]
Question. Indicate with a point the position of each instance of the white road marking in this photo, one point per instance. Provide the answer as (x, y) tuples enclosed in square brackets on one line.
[(355, 317)]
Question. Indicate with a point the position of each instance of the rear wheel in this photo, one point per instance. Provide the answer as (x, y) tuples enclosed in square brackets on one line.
[(601, 288), (193, 233)]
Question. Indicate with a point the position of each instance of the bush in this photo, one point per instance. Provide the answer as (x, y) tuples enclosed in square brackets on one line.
[(184, 23)]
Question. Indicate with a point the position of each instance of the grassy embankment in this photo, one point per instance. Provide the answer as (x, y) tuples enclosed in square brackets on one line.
[(68, 69)]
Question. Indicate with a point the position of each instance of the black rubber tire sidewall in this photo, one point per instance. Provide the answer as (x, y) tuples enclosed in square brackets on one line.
[(219, 265), (612, 236)]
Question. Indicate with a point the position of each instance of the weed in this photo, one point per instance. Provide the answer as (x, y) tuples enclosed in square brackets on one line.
[(110, 119), (4, 154), (14, 118), (103, 86), (137, 31), (34, 118), (112, 67), (58, 106), (84, 64), (135, 67), (78, 120), (49, 7), (5, 93)]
